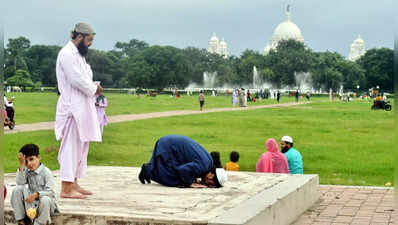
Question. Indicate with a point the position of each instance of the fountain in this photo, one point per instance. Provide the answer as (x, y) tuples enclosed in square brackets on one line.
[(303, 80), (209, 79), (341, 90), (257, 81)]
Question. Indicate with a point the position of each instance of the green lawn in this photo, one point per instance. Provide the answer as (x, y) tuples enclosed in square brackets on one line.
[(39, 107), (345, 143)]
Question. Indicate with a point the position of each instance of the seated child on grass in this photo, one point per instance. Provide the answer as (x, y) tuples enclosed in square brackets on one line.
[(233, 165), (35, 189)]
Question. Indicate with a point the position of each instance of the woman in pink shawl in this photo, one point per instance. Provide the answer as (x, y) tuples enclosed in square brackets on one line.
[(272, 161), (100, 104)]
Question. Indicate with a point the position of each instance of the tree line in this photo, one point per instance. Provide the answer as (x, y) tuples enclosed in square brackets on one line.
[(136, 64)]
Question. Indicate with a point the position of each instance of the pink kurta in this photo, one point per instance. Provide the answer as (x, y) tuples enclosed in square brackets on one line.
[(76, 121), (102, 119)]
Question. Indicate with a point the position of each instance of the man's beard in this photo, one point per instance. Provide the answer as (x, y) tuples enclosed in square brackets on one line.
[(285, 149), (82, 48)]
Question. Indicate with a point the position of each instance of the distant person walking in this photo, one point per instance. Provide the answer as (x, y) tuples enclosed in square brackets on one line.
[(76, 122), (244, 97), (234, 97), (297, 96), (278, 96), (292, 155), (201, 100), (240, 94)]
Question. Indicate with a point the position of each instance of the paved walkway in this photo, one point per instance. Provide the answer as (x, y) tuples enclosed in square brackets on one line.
[(132, 117), (351, 205)]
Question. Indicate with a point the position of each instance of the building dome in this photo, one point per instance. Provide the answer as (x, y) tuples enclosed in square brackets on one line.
[(213, 44), (217, 47), (223, 48), (287, 30), (357, 49), (223, 43), (359, 40), (214, 38), (284, 31)]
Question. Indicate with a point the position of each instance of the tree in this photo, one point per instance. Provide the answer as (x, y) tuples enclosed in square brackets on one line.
[(140, 73), (158, 67), (197, 61), (290, 56), (132, 47), (20, 79), (353, 74), (16, 49), (267, 74), (248, 60), (378, 66), (100, 63), (324, 70), (41, 61), (118, 68)]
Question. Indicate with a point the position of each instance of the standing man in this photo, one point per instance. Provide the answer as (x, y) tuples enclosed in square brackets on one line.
[(201, 100), (293, 156), (76, 122), (297, 95), (278, 96)]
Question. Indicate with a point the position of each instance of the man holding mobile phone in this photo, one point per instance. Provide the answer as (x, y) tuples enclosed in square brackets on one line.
[(76, 121)]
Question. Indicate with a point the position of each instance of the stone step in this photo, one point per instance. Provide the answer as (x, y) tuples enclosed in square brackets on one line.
[(119, 198)]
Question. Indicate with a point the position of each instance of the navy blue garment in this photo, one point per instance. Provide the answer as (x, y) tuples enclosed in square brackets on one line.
[(178, 161)]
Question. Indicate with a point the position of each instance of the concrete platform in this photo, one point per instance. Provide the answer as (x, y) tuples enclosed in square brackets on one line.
[(119, 198)]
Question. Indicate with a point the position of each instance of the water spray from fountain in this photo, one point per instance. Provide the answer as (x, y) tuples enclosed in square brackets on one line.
[(209, 79)]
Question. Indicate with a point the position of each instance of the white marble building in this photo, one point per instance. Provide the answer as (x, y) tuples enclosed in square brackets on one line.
[(357, 49), (218, 47), (284, 31)]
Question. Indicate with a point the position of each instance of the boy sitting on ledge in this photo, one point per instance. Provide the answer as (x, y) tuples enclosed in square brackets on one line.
[(35, 189)]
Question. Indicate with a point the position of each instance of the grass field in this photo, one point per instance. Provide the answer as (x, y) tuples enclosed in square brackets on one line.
[(40, 107), (345, 143)]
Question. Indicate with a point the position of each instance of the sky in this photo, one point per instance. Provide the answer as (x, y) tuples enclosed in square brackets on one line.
[(245, 24)]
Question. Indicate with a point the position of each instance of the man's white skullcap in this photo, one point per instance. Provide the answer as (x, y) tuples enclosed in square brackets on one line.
[(84, 28), (222, 176), (287, 139)]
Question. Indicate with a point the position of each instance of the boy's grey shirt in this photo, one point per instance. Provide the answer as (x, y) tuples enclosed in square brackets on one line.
[(41, 180)]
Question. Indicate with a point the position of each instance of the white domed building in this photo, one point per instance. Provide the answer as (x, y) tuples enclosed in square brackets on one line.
[(223, 48), (213, 44), (218, 47), (284, 31), (357, 49)]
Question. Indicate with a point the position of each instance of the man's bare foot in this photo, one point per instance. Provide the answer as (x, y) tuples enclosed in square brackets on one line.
[(79, 189), (73, 194), (83, 191)]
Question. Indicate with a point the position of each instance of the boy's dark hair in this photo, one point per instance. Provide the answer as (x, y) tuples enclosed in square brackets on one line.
[(234, 156), (30, 150)]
